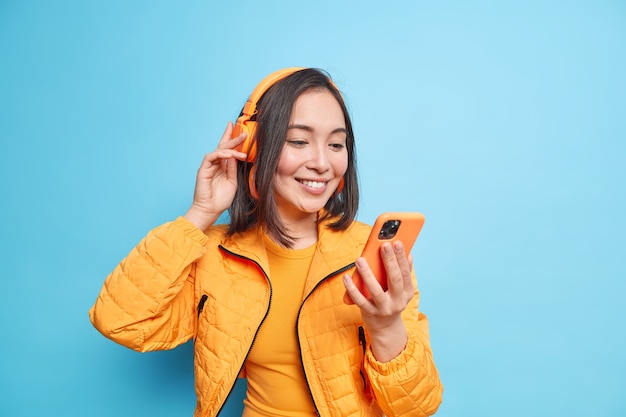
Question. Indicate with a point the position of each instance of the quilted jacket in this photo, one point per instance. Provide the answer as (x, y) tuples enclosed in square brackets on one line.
[(180, 283)]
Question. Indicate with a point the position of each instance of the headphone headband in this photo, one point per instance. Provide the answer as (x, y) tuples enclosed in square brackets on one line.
[(250, 107)]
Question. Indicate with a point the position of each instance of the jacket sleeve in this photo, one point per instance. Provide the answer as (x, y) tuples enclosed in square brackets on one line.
[(409, 384), (147, 302)]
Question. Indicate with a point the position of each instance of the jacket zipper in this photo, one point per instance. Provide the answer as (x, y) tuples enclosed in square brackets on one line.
[(199, 310), (306, 378), (258, 327), (201, 303), (363, 343)]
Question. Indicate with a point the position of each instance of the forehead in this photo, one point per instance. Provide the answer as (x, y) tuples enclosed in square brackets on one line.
[(317, 108)]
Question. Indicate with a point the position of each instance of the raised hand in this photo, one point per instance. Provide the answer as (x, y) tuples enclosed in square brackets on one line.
[(216, 181)]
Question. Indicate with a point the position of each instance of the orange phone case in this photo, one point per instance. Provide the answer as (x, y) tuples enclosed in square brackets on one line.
[(409, 227)]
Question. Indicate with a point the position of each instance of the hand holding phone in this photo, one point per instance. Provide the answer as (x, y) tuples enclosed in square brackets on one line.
[(388, 227)]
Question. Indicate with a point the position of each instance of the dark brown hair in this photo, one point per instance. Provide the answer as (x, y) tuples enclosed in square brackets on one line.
[(274, 112)]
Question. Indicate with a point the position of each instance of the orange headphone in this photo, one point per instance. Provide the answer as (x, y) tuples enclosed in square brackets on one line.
[(244, 124)]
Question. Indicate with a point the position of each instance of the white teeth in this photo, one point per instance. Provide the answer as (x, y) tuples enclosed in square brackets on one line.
[(313, 184)]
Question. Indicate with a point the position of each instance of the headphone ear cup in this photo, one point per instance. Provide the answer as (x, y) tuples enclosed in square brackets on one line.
[(248, 146), (340, 186), (252, 183)]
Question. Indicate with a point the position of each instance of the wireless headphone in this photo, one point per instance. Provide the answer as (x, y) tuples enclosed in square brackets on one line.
[(244, 124)]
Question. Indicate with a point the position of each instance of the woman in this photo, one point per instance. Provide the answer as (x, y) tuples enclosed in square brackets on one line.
[(263, 297)]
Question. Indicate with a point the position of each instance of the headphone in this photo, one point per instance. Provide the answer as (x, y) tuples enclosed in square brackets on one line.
[(244, 124)]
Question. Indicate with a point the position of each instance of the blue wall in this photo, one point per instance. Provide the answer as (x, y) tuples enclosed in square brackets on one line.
[(504, 122)]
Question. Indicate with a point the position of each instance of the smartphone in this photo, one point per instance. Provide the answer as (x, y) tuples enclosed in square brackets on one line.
[(388, 227)]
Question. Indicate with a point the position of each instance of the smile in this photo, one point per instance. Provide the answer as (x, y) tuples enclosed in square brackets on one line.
[(313, 184)]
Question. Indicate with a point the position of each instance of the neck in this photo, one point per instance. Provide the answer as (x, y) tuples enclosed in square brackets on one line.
[(302, 229), (304, 242)]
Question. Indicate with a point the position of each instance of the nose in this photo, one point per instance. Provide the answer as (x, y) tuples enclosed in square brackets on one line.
[(319, 159)]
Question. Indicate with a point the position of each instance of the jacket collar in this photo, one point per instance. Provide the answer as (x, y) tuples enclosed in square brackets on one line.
[(336, 251)]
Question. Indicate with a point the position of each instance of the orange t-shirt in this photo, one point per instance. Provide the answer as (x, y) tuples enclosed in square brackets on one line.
[(276, 385)]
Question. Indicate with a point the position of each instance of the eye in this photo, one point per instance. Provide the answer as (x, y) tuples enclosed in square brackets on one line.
[(337, 146), (297, 142)]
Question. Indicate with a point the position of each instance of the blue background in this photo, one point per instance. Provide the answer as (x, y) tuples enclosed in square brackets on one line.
[(504, 122)]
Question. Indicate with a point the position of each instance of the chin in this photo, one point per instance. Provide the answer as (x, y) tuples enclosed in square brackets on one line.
[(311, 209)]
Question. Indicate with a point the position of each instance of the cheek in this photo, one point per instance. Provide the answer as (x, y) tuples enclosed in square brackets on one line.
[(340, 164), (287, 164)]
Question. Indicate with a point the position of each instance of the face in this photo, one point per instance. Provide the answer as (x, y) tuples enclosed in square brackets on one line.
[(314, 157)]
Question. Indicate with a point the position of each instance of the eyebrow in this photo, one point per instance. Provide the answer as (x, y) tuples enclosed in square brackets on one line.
[(310, 129)]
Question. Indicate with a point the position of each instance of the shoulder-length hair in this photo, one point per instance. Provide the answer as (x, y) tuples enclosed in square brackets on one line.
[(273, 116)]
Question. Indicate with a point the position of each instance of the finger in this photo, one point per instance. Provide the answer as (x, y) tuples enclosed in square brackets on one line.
[(231, 168), (353, 295), (394, 273), (377, 293), (220, 155), (412, 281), (213, 167), (405, 266), (403, 260), (227, 141)]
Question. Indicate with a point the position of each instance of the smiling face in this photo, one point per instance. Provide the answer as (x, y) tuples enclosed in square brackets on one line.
[(314, 157)]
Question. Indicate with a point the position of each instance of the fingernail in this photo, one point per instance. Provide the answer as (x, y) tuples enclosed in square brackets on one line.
[(360, 262)]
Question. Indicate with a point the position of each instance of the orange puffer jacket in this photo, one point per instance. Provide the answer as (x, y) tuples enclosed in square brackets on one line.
[(180, 283)]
